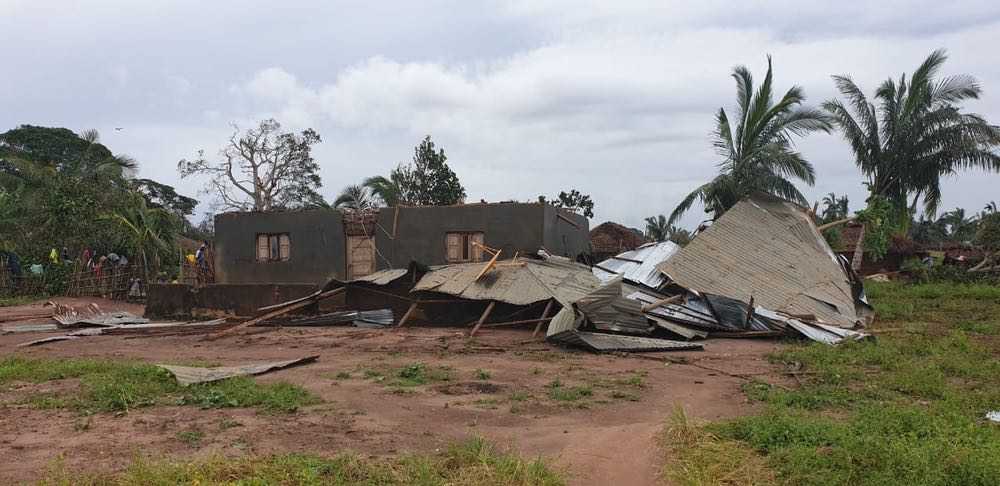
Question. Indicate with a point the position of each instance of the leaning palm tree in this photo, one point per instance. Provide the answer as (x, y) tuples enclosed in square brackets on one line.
[(395, 190), (757, 156), (354, 197), (147, 231), (916, 133)]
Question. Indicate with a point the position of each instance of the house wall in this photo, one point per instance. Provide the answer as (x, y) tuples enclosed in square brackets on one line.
[(318, 247), (512, 227), (563, 238), (317, 251)]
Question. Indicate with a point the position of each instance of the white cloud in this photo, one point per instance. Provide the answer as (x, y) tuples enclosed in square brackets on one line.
[(527, 97)]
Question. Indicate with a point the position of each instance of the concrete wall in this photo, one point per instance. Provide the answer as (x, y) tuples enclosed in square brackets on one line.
[(564, 238), (512, 227), (316, 254), (181, 301), (318, 244)]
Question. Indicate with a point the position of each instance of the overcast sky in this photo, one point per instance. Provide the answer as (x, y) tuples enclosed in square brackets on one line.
[(615, 99)]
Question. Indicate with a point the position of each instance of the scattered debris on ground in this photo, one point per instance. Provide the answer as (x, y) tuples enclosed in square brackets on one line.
[(189, 375)]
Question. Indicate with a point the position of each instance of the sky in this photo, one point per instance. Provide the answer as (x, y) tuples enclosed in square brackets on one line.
[(615, 99)]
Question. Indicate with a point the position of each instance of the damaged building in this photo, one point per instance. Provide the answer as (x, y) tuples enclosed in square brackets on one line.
[(313, 246)]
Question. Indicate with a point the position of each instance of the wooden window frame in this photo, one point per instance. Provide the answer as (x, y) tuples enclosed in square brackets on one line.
[(464, 250), (272, 247)]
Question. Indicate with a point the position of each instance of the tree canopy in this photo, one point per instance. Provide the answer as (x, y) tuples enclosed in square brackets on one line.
[(573, 200), (916, 134), (262, 169), (426, 181), (756, 151)]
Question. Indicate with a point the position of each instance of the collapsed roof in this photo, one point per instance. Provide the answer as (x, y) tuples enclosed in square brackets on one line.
[(769, 250)]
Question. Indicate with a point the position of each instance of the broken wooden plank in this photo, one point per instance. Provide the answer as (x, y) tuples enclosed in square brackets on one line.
[(545, 313), (407, 315), (482, 318), (273, 314), (662, 302)]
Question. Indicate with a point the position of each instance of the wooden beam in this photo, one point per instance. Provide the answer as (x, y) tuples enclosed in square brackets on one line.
[(395, 219), (662, 302), (482, 318), (407, 315), (274, 313), (835, 223), (545, 313), (514, 323)]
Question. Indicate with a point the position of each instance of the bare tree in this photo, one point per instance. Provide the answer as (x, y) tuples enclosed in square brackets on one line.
[(262, 169)]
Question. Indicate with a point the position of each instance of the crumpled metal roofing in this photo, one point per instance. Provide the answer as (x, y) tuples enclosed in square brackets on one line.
[(639, 265), (597, 341), (188, 375), (768, 249), (607, 310), (522, 283), (382, 277)]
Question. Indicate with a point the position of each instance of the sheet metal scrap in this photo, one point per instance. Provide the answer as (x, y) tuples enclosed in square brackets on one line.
[(565, 329), (613, 342), (92, 315), (638, 266), (770, 249), (372, 318), (523, 283), (607, 310), (812, 330), (187, 375)]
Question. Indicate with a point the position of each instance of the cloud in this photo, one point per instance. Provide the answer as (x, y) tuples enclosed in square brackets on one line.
[(527, 97)]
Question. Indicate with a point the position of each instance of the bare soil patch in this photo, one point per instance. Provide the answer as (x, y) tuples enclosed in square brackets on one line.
[(601, 431)]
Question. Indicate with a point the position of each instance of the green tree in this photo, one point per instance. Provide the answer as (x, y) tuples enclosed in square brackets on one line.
[(355, 197), (834, 208), (658, 230), (262, 169), (960, 227), (757, 156), (427, 181), (916, 134), (396, 190), (146, 231), (435, 184), (573, 200)]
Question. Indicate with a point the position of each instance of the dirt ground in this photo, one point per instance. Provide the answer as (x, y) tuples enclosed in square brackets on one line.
[(606, 438)]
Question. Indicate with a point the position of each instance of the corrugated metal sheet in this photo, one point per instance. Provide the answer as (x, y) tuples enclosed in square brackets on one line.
[(638, 266), (613, 342), (812, 330), (564, 321), (769, 249), (187, 375), (693, 312), (523, 283), (382, 277), (607, 310)]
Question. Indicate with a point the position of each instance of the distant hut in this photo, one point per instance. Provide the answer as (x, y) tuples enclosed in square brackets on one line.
[(609, 239)]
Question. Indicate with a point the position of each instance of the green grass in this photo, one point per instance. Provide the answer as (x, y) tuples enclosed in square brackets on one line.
[(19, 300), (473, 462), (561, 393), (118, 386), (905, 409)]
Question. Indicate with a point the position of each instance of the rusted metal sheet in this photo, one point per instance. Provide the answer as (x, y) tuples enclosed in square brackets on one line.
[(521, 283), (188, 375), (770, 250), (92, 315), (613, 342)]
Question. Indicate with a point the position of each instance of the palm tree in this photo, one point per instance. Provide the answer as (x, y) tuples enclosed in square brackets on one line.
[(916, 134), (991, 207), (834, 208), (959, 227), (146, 230), (657, 228), (758, 155), (354, 197), (395, 190)]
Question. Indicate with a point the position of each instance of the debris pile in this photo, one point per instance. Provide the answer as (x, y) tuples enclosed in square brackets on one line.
[(761, 270)]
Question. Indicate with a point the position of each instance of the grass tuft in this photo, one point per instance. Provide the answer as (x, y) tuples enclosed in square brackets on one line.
[(116, 386), (473, 462)]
